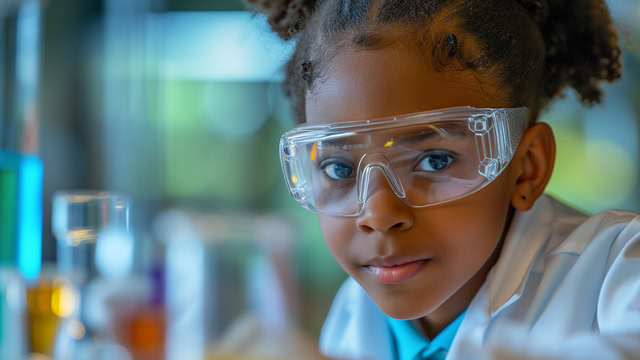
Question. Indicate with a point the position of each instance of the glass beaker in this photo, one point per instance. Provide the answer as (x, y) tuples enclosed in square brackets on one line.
[(78, 219), (83, 222)]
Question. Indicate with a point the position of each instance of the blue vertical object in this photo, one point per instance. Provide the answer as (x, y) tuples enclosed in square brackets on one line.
[(21, 171), (30, 178), (21, 178)]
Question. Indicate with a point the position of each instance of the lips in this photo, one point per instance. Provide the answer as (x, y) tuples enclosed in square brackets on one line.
[(395, 270)]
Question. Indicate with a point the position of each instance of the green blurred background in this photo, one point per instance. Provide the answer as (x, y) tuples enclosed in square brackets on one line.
[(178, 102)]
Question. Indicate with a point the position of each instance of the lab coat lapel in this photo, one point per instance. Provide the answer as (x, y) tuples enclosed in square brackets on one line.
[(355, 327)]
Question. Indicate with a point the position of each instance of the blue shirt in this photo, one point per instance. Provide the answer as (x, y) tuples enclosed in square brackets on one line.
[(410, 344)]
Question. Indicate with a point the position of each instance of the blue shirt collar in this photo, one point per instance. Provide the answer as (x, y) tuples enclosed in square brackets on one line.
[(410, 342)]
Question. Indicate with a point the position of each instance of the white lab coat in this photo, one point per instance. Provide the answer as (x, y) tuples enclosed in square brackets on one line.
[(566, 286)]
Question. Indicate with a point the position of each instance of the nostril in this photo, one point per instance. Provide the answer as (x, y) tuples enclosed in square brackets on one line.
[(372, 224), (366, 228), (397, 225)]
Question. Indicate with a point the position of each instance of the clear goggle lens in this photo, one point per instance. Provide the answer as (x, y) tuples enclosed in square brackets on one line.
[(426, 159)]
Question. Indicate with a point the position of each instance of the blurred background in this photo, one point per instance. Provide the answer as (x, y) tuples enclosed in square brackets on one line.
[(167, 115)]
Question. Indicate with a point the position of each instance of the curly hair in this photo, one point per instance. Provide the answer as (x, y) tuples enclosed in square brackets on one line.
[(534, 48)]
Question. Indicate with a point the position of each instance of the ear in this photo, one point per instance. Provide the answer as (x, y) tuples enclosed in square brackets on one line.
[(533, 165)]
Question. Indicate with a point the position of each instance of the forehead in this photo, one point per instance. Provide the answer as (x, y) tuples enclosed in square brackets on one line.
[(369, 84)]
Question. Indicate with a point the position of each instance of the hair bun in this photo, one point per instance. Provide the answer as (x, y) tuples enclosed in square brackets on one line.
[(581, 47), (286, 17)]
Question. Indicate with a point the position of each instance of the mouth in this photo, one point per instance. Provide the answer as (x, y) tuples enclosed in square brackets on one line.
[(390, 271)]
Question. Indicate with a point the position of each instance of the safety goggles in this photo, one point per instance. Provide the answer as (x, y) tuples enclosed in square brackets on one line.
[(426, 158)]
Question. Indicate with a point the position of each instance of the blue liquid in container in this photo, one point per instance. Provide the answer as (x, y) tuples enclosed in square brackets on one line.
[(21, 179)]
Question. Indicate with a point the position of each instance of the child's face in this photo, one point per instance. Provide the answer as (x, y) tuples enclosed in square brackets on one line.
[(441, 250)]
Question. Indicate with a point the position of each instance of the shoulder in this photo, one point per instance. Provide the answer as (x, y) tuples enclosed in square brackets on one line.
[(355, 327), (575, 232), (619, 228), (607, 245)]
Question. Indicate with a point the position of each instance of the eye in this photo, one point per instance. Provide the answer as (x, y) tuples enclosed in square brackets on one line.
[(434, 162), (336, 169)]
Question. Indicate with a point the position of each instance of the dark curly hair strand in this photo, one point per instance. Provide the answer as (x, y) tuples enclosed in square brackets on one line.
[(535, 48)]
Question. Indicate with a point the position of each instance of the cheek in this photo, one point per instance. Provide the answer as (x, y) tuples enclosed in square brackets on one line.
[(470, 245), (481, 223), (337, 233)]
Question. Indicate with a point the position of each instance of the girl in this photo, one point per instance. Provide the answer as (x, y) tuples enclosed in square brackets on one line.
[(421, 154)]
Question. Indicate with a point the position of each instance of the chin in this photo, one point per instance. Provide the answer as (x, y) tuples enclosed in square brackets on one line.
[(404, 313), (403, 308)]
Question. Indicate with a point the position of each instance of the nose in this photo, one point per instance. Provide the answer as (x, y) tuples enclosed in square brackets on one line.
[(383, 211)]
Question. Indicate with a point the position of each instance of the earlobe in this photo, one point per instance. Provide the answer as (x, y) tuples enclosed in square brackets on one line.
[(533, 162)]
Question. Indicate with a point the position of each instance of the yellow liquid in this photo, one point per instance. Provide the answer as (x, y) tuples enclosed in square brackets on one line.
[(48, 302)]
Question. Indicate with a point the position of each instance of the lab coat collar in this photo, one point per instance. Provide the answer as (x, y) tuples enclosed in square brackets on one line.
[(355, 327), (532, 236)]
